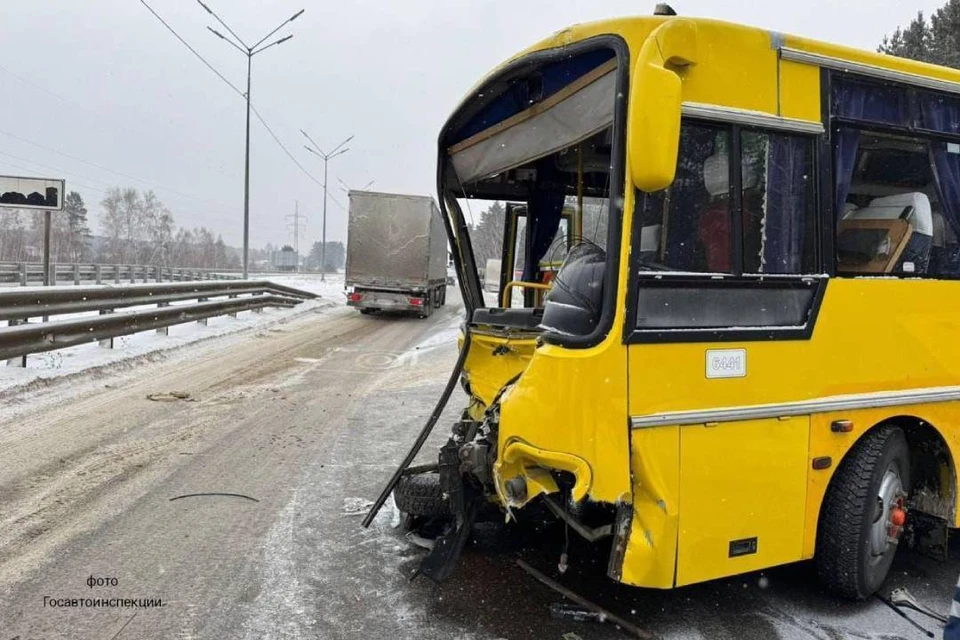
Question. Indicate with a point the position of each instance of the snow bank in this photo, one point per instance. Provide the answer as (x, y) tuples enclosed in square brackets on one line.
[(72, 360)]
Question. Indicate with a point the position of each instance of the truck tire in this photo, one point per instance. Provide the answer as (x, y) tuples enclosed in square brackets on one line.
[(853, 553), (420, 495), (443, 296)]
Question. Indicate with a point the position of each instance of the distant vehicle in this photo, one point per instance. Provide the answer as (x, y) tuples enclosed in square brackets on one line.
[(396, 254), (285, 260)]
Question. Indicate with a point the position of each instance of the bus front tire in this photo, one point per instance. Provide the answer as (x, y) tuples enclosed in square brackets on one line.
[(421, 495), (854, 553)]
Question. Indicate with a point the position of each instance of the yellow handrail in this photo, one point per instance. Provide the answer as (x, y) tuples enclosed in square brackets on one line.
[(520, 283)]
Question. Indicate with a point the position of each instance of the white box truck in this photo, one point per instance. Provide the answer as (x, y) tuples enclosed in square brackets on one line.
[(396, 254)]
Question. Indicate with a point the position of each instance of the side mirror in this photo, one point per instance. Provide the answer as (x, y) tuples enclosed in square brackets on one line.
[(654, 127), (653, 123)]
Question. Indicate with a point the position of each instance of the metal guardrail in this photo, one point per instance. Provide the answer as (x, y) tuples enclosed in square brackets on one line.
[(27, 273), (22, 338)]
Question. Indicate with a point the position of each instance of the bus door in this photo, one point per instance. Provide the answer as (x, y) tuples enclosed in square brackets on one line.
[(720, 315)]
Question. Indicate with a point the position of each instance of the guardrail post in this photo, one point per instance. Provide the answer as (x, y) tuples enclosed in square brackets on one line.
[(116, 274), (133, 274), (98, 273), (76, 273), (202, 321), (232, 296), (106, 343), (163, 331), (158, 274), (22, 270), (53, 274), (20, 362)]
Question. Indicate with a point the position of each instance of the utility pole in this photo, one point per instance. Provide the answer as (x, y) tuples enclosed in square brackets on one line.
[(249, 52), (315, 149), (296, 230), (47, 261)]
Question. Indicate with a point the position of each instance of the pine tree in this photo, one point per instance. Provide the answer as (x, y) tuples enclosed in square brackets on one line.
[(945, 34), (79, 233), (936, 41)]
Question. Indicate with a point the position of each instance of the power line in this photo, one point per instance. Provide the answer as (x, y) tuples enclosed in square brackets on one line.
[(70, 183), (242, 95), (104, 189), (192, 50), (108, 170)]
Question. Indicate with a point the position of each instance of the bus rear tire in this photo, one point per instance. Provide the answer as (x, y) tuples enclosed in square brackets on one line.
[(853, 553)]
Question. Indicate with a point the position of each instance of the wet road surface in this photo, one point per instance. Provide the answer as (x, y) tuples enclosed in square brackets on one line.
[(307, 419)]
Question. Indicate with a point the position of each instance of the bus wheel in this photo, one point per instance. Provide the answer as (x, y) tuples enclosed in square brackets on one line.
[(421, 495), (863, 514)]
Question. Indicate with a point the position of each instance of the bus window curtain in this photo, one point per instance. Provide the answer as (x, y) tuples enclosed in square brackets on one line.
[(786, 204), (844, 156), (545, 208), (867, 102), (940, 114)]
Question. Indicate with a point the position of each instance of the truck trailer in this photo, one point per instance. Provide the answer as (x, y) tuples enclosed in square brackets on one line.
[(396, 254)]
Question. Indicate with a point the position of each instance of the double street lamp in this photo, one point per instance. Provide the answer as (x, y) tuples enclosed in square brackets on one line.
[(315, 150), (249, 52)]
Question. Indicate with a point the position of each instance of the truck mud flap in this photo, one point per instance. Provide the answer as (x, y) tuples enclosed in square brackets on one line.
[(464, 502)]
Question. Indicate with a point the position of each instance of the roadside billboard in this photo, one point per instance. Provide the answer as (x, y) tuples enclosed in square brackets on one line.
[(31, 193)]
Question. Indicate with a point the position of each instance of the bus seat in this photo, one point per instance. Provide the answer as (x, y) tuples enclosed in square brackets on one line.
[(914, 208), (714, 231), (944, 254)]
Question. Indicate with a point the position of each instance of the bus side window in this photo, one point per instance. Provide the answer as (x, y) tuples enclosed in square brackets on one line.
[(696, 202), (887, 222)]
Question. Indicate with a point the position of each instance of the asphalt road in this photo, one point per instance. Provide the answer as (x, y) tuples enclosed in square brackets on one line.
[(307, 419)]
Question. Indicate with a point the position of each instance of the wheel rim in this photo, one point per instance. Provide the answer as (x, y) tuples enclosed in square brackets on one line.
[(889, 497)]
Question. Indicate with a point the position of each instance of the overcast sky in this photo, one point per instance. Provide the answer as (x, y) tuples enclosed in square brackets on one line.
[(100, 93)]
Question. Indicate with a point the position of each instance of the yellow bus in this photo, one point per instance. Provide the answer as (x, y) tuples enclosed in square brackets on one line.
[(750, 354)]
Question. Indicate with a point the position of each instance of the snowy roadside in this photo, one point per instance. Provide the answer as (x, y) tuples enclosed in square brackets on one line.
[(44, 367)]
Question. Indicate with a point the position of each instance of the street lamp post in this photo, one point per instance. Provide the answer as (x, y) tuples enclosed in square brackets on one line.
[(315, 149), (249, 52)]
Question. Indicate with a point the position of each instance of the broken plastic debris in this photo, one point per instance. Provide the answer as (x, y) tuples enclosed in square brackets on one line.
[(356, 506), (169, 396), (564, 611)]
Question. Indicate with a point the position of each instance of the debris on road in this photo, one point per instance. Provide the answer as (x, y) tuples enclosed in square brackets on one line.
[(356, 506), (170, 396), (903, 598), (564, 611), (583, 602), (571, 636), (903, 615), (214, 493), (420, 541)]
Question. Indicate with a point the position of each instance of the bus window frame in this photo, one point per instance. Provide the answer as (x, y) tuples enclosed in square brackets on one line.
[(514, 211), (605, 327), (638, 277), (832, 123)]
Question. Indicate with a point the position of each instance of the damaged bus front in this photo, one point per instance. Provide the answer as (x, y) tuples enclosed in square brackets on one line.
[(720, 340), (545, 372)]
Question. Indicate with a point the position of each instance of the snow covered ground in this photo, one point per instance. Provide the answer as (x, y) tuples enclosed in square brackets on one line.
[(63, 362)]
